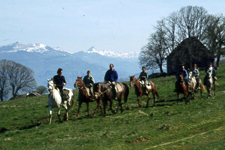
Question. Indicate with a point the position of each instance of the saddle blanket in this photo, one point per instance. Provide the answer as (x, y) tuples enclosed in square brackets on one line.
[(119, 87)]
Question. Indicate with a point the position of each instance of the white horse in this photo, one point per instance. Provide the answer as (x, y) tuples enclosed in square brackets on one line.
[(193, 85), (209, 83), (55, 100)]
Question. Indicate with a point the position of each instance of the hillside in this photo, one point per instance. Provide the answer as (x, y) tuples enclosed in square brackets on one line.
[(198, 125)]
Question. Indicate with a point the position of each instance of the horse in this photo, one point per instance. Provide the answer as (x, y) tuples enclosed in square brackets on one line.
[(210, 83), (140, 90), (84, 97), (105, 92), (181, 88), (55, 100), (193, 85)]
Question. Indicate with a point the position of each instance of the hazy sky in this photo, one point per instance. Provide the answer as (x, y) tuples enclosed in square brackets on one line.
[(75, 25)]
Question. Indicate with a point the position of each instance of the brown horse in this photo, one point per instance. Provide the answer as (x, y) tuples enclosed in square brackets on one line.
[(193, 85), (139, 90), (84, 97), (181, 88), (106, 92)]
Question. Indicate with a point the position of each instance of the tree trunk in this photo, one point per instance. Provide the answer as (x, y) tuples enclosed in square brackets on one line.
[(218, 60)]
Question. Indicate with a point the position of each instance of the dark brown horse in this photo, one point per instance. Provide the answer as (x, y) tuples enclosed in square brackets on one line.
[(141, 90), (106, 92), (181, 88), (84, 97)]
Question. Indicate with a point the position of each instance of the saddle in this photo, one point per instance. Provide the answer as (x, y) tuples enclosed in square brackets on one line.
[(147, 85)]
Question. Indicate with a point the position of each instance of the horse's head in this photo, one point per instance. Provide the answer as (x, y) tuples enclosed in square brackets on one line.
[(97, 90), (50, 84), (180, 77), (209, 74), (132, 80), (78, 82), (190, 75)]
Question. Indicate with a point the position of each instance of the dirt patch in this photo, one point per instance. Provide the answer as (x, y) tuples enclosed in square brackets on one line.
[(140, 140)]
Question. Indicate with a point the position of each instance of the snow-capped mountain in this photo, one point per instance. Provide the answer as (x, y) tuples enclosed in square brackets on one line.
[(45, 60), (113, 54)]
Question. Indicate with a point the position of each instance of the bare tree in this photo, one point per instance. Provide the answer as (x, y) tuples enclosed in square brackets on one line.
[(153, 54), (42, 89), (191, 22), (20, 78), (4, 87), (215, 36)]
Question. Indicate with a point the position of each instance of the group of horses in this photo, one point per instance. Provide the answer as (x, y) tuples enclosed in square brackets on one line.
[(105, 92), (189, 88)]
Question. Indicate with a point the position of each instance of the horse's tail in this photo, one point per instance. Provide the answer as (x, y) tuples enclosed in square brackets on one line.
[(126, 92), (155, 90), (73, 100), (216, 83), (203, 87)]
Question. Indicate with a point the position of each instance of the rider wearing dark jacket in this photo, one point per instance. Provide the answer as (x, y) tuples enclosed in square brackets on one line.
[(60, 81), (111, 75)]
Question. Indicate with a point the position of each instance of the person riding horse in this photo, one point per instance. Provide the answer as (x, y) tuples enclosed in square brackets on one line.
[(59, 81), (211, 69), (89, 82), (111, 77), (183, 71), (143, 77), (195, 73)]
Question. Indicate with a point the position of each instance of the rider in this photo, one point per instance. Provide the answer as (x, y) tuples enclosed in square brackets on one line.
[(210, 68), (60, 81), (196, 73), (144, 77), (111, 77), (185, 74), (89, 82)]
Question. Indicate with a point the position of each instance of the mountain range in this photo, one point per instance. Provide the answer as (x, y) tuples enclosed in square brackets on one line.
[(45, 60)]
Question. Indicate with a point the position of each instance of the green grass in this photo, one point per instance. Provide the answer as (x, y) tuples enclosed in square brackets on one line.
[(198, 125)]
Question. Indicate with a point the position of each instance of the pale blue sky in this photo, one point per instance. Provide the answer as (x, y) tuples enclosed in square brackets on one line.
[(75, 25)]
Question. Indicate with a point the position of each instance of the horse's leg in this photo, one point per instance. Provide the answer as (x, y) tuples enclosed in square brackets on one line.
[(177, 97), (153, 93), (120, 103), (59, 114), (66, 117), (139, 103), (88, 109), (80, 102), (148, 95), (98, 104), (113, 111), (104, 107), (50, 114)]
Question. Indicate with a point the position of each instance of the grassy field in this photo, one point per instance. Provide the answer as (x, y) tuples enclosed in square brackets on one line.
[(198, 125)]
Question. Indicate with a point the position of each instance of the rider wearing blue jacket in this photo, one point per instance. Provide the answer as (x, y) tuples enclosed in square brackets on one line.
[(182, 71), (111, 75)]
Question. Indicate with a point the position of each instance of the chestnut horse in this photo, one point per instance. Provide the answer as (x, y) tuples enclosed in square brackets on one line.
[(105, 92), (181, 88), (139, 90), (193, 83), (83, 96)]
